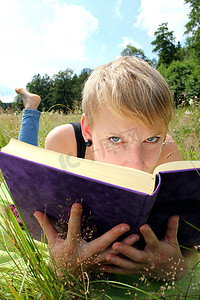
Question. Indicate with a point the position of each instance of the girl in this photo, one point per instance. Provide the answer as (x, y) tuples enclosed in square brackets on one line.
[(127, 107)]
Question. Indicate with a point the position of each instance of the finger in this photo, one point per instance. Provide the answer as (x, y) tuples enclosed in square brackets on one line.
[(102, 256), (151, 240), (118, 270), (130, 252), (74, 225), (47, 227), (128, 241), (131, 239), (124, 263), (172, 229), (104, 241)]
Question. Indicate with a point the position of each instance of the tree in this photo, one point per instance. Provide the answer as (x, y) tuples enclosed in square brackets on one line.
[(182, 78), (193, 26), (78, 83), (1, 105), (133, 51), (165, 45), (41, 86), (61, 91)]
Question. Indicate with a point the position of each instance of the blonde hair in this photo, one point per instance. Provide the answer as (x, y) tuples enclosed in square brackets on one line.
[(130, 88)]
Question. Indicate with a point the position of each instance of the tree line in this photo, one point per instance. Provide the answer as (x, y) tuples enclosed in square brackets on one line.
[(179, 65), (60, 92)]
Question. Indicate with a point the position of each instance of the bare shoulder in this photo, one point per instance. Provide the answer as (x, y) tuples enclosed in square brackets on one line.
[(169, 152), (62, 139)]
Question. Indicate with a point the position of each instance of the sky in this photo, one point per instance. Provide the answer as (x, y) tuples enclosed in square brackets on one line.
[(46, 36)]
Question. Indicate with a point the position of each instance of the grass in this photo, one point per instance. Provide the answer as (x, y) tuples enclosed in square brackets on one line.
[(27, 274), (10, 124), (24, 269), (184, 129)]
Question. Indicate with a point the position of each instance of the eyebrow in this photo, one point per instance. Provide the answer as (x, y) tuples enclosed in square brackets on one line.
[(124, 132), (112, 133)]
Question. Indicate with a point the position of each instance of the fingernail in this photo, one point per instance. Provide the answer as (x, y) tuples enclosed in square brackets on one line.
[(125, 228), (134, 239), (110, 258), (116, 246), (145, 228)]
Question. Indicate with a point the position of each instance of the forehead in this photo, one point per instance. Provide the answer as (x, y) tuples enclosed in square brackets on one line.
[(107, 122)]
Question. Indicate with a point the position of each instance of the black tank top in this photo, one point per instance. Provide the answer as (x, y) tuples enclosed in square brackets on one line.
[(80, 142)]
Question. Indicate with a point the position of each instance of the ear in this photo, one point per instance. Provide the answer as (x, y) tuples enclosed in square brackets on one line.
[(85, 129)]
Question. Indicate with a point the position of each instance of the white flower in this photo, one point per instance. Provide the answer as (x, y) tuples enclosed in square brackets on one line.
[(191, 102)]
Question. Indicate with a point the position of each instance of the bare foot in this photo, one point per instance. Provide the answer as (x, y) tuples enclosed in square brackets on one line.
[(31, 101)]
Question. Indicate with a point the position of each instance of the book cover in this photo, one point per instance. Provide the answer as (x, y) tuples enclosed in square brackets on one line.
[(38, 187), (35, 186)]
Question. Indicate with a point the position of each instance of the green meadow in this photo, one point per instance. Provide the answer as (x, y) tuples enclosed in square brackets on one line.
[(25, 272), (185, 128)]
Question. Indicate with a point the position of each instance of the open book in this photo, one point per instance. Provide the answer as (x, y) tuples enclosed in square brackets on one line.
[(45, 180)]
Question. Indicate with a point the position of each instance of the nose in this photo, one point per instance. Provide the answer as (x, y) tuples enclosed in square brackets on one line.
[(134, 159)]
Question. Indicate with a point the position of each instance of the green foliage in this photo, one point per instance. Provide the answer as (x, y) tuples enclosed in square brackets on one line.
[(185, 130), (41, 86), (61, 92), (9, 126), (193, 26), (78, 83), (165, 45), (181, 66), (183, 78), (133, 51)]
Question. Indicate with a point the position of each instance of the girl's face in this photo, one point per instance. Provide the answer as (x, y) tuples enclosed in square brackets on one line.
[(125, 143)]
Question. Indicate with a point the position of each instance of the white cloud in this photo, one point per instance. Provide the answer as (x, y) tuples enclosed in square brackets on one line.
[(48, 46), (65, 36), (117, 9), (128, 40), (155, 12)]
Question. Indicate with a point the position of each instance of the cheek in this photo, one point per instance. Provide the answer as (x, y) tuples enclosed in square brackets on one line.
[(106, 153), (152, 156)]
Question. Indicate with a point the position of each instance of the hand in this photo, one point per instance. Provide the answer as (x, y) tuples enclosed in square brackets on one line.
[(158, 259), (74, 252)]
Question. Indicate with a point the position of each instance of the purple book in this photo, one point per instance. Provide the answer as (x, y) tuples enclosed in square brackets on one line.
[(35, 186)]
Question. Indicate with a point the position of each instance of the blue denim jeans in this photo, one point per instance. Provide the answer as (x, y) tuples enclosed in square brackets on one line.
[(30, 126)]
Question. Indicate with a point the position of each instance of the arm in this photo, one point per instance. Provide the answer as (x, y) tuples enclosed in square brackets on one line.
[(169, 151), (62, 139)]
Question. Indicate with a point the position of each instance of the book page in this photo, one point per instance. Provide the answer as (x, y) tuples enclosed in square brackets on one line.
[(177, 165), (121, 176)]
